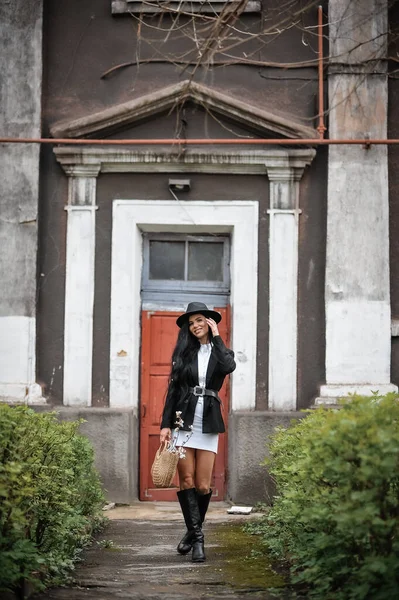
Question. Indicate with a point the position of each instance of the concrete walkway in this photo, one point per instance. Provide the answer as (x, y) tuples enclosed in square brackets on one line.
[(135, 558)]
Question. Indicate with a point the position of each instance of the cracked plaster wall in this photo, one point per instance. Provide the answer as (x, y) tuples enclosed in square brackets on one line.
[(20, 116), (20, 99)]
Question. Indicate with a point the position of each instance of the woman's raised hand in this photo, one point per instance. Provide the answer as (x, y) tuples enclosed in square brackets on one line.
[(213, 326), (165, 434)]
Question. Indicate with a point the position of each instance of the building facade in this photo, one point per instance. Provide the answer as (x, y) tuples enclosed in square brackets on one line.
[(104, 243)]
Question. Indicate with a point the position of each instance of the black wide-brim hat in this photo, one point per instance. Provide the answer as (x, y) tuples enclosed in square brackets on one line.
[(195, 308)]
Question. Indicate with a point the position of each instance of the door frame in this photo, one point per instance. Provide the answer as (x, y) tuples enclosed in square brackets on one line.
[(131, 218)]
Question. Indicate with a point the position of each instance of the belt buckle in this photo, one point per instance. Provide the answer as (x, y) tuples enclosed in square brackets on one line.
[(199, 390)]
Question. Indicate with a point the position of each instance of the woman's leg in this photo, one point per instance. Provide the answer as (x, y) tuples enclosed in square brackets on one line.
[(188, 499), (187, 496), (195, 470), (186, 469), (204, 461)]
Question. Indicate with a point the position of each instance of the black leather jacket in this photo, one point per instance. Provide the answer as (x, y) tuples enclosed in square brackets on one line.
[(221, 363)]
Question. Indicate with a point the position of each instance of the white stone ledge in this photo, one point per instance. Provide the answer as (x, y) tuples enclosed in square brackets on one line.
[(19, 393), (200, 160), (330, 394)]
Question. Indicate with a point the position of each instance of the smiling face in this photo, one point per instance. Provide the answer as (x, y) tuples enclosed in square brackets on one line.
[(199, 327)]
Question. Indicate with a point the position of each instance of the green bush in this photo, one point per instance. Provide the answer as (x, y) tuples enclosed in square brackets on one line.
[(50, 497), (336, 516)]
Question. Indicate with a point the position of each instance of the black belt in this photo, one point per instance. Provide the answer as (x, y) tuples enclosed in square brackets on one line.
[(198, 390)]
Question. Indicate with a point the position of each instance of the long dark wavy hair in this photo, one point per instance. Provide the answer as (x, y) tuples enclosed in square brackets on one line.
[(185, 351)]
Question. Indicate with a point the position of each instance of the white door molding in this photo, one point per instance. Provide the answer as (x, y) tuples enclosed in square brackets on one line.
[(130, 219)]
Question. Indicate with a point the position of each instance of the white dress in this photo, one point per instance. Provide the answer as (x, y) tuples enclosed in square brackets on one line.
[(199, 440)]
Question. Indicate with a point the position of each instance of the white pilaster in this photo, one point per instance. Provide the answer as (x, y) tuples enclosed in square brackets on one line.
[(79, 285), (357, 293), (283, 286)]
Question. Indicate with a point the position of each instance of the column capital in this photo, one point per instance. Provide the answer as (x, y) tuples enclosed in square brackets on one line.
[(82, 184), (289, 165), (82, 170), (284, 173)]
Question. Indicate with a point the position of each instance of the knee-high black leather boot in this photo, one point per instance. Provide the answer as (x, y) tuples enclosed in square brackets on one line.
[(185, 544), (190, 509)]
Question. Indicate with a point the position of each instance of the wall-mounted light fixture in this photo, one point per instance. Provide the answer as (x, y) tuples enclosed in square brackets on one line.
[(179, 185)]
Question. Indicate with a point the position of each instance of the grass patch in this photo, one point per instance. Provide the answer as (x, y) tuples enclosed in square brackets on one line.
[(246, 564)]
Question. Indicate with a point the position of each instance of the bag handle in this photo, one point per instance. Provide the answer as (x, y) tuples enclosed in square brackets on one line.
[(162, 447)]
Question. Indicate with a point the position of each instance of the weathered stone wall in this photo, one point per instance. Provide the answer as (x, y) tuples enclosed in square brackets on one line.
[(20, 116), (112, 433), (249, 433), (357, 292)]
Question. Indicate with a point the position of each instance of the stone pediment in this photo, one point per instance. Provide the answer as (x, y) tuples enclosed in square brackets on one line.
[(116, 118)]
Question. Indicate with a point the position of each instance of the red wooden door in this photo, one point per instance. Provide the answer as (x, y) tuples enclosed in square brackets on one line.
[(159, 334)]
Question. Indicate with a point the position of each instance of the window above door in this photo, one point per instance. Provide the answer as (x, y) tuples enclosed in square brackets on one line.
[(182, 264)]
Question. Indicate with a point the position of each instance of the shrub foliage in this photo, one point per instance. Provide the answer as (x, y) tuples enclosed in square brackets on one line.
[(50, 497), (336, 516)]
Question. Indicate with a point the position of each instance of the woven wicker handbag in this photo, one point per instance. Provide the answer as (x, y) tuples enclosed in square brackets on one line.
[(164, 466)]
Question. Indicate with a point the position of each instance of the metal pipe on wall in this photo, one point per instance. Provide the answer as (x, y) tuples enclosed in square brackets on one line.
[(321, 128), (200, 142)]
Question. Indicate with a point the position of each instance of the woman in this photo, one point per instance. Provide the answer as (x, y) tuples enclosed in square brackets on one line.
[(200, 363)]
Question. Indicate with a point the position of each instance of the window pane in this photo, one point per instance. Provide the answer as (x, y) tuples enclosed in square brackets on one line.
[(205, 261), (167, 260)]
